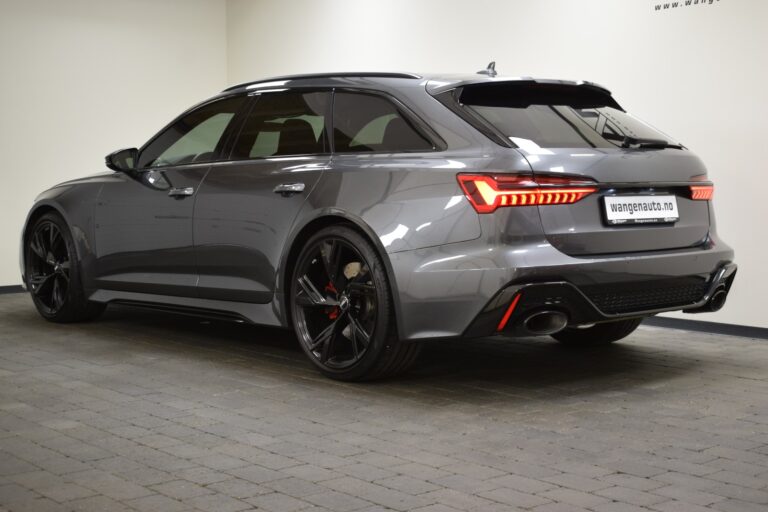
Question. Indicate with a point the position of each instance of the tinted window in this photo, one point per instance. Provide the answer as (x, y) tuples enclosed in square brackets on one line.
[(284, 123), (366, 122), (541, 124), (555, 116), (194, 138)]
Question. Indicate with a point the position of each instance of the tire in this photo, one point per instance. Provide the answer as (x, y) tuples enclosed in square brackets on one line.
[(52, 273), (342, 311), (598, 334)]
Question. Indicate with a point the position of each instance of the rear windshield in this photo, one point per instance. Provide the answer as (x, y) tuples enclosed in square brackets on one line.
[(555, 116)]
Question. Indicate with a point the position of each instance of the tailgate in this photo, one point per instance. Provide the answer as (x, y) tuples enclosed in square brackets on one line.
[(584, 228), (578, 131)]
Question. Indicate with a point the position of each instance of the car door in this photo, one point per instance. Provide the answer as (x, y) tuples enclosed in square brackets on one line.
[(143, 220), (246, 206)]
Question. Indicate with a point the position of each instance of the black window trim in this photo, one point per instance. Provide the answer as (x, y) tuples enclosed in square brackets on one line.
[(418, 124)]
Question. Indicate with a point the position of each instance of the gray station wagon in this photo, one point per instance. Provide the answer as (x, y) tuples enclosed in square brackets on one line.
[(373, 211)]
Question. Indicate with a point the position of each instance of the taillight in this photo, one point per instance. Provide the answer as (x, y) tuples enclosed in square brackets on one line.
[(487, 192), (702, 192)]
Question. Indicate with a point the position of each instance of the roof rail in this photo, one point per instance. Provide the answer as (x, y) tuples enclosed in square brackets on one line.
[(345, 74)]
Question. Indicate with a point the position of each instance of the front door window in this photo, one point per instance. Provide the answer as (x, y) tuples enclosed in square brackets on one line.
[(196, 137)]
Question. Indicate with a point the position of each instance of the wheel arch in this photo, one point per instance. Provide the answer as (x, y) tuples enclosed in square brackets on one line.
[(303, 232), (37, 211)]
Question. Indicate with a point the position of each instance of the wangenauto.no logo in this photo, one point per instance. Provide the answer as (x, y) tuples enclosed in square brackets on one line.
[(664, 6)]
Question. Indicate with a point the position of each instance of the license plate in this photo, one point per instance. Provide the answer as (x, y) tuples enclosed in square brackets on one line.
[(640, 209)]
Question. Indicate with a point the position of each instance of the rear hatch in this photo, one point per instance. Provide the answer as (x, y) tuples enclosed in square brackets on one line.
[(643, 178)]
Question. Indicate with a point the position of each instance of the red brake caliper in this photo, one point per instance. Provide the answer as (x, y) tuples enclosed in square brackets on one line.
[(334, 312)]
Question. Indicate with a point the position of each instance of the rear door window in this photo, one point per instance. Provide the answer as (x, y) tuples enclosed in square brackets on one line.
[(365, 122), (284, 124)]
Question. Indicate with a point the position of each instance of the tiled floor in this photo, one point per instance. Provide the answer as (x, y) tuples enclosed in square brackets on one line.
[(149, 412)]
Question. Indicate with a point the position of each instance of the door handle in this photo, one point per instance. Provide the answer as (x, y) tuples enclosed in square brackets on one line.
[(286, 189), (181, 192)]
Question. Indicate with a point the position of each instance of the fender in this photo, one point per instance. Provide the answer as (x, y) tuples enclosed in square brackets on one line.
[(76, 215), (34, 212)]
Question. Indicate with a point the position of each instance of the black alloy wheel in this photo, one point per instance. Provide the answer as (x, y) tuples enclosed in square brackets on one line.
[(341, 308), (52, 274), (48, 267)]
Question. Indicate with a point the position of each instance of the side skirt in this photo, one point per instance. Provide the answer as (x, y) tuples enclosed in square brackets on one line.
[(261, 314)]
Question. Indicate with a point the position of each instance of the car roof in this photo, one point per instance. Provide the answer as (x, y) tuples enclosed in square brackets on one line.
[(284, 80), (434, 83)]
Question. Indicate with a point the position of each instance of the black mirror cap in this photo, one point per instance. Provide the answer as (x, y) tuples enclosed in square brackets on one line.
[(123, 160)]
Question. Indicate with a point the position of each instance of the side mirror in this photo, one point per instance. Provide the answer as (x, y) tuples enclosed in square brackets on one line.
[(123, 160)]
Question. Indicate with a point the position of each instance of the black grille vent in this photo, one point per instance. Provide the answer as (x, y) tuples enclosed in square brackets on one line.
[(644, 296)]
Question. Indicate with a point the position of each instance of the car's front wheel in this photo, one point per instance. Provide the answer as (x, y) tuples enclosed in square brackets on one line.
[(341, 308), (598, 334), (53, 274)]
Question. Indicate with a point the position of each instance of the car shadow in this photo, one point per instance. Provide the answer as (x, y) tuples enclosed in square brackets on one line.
[(478, 371), (535, 363)]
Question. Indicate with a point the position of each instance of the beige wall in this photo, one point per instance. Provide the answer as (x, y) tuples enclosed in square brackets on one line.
[(80, 78), (697, 72)]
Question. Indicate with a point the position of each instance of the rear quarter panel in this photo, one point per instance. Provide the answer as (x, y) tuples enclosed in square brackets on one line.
[(409, 203)]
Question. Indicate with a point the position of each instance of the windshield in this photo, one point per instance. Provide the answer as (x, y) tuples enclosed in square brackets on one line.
[(558, 116)]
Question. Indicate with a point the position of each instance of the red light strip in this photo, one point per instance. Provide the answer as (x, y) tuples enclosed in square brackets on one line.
[(486, 193), (510, 310), (702, 192)]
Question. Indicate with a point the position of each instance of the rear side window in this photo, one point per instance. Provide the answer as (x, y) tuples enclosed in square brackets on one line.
[(367, 122), (534, 115), (194, 138), (284, 123)]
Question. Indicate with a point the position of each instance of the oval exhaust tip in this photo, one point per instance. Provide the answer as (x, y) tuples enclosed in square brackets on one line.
[(717, 301), (546, 322)]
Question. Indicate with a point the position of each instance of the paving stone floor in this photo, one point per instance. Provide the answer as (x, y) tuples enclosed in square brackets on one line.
[(150, 412)]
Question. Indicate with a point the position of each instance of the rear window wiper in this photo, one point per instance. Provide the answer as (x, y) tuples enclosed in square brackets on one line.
[(648, 143)]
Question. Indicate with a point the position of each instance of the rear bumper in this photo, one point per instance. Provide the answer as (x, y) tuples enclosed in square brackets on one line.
[(513, 305), (447, 291)]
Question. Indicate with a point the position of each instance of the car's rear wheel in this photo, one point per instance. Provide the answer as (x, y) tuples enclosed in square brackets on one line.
[(598, 334), (341, 308), (53, 274)]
